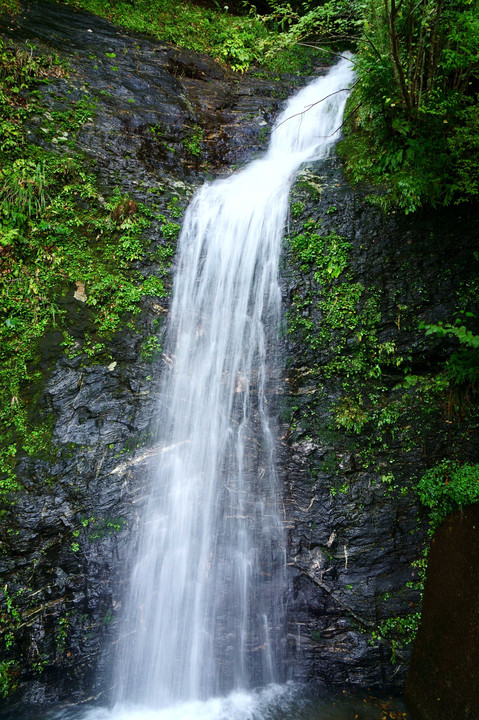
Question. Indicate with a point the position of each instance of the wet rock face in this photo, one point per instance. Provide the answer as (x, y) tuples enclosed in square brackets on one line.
[(151, 99), (442, 682), (355, 437)]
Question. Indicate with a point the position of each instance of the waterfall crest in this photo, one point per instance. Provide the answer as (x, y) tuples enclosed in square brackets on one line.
[(204, 612)]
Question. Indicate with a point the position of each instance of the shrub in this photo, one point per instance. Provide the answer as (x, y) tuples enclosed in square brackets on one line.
[(446, 487)]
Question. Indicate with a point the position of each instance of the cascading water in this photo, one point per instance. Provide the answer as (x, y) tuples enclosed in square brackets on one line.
[(204, 612)]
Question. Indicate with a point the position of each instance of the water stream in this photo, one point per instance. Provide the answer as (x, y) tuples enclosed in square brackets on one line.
[(203, 624), (205, 613)]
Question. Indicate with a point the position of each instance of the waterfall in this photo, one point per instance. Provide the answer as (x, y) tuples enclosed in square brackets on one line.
[(205, 609)]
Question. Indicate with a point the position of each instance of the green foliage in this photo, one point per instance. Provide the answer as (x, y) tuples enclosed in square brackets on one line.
[(463, 145), (330, 21), (326, 315), (239, 41), (10, 620), (18, 65), (328, 253), (296, 208), (174, 208), (193, 143), (415, 130), (105, 527), (465, 337), (8, 677), (62, 632), (398, 631), (241, 46), (9, 6), (462, 368), (446, 487), (22, 194), (150, 348), (350, 415), (170, 230)]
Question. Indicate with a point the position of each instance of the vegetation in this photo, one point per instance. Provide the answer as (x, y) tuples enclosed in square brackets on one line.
[(9, 6), (451, 484), (414, 129), (446, 487), (345, 341), (330, 24), (8, 681), (238, 40)]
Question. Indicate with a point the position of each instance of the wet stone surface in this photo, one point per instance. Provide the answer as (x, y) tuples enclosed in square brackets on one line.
[(150, 98), (354, 522)]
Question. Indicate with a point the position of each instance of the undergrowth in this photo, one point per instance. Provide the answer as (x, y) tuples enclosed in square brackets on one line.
[(413, 125)]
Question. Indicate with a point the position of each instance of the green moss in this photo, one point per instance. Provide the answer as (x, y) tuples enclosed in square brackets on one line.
[(334, 313), (194, 140), (100, 528)]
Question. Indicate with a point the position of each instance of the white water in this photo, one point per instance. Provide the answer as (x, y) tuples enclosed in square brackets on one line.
[(205, 607)]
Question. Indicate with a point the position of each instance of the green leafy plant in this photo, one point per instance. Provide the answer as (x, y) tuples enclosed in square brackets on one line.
[(350, 415), (150, 348), (170, 230), (412, 115), (446, 487), (22, 192), (398, 631), (462, 368), (465, 336), (8, 677), (193, 142)]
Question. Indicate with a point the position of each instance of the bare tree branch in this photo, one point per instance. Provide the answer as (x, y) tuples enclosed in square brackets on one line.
[(317, 103)]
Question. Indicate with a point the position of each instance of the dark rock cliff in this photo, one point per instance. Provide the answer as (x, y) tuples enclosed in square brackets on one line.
[(368, 412), (354, 435)]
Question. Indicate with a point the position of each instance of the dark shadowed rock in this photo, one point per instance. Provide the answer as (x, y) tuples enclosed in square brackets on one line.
[(443, 679)]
